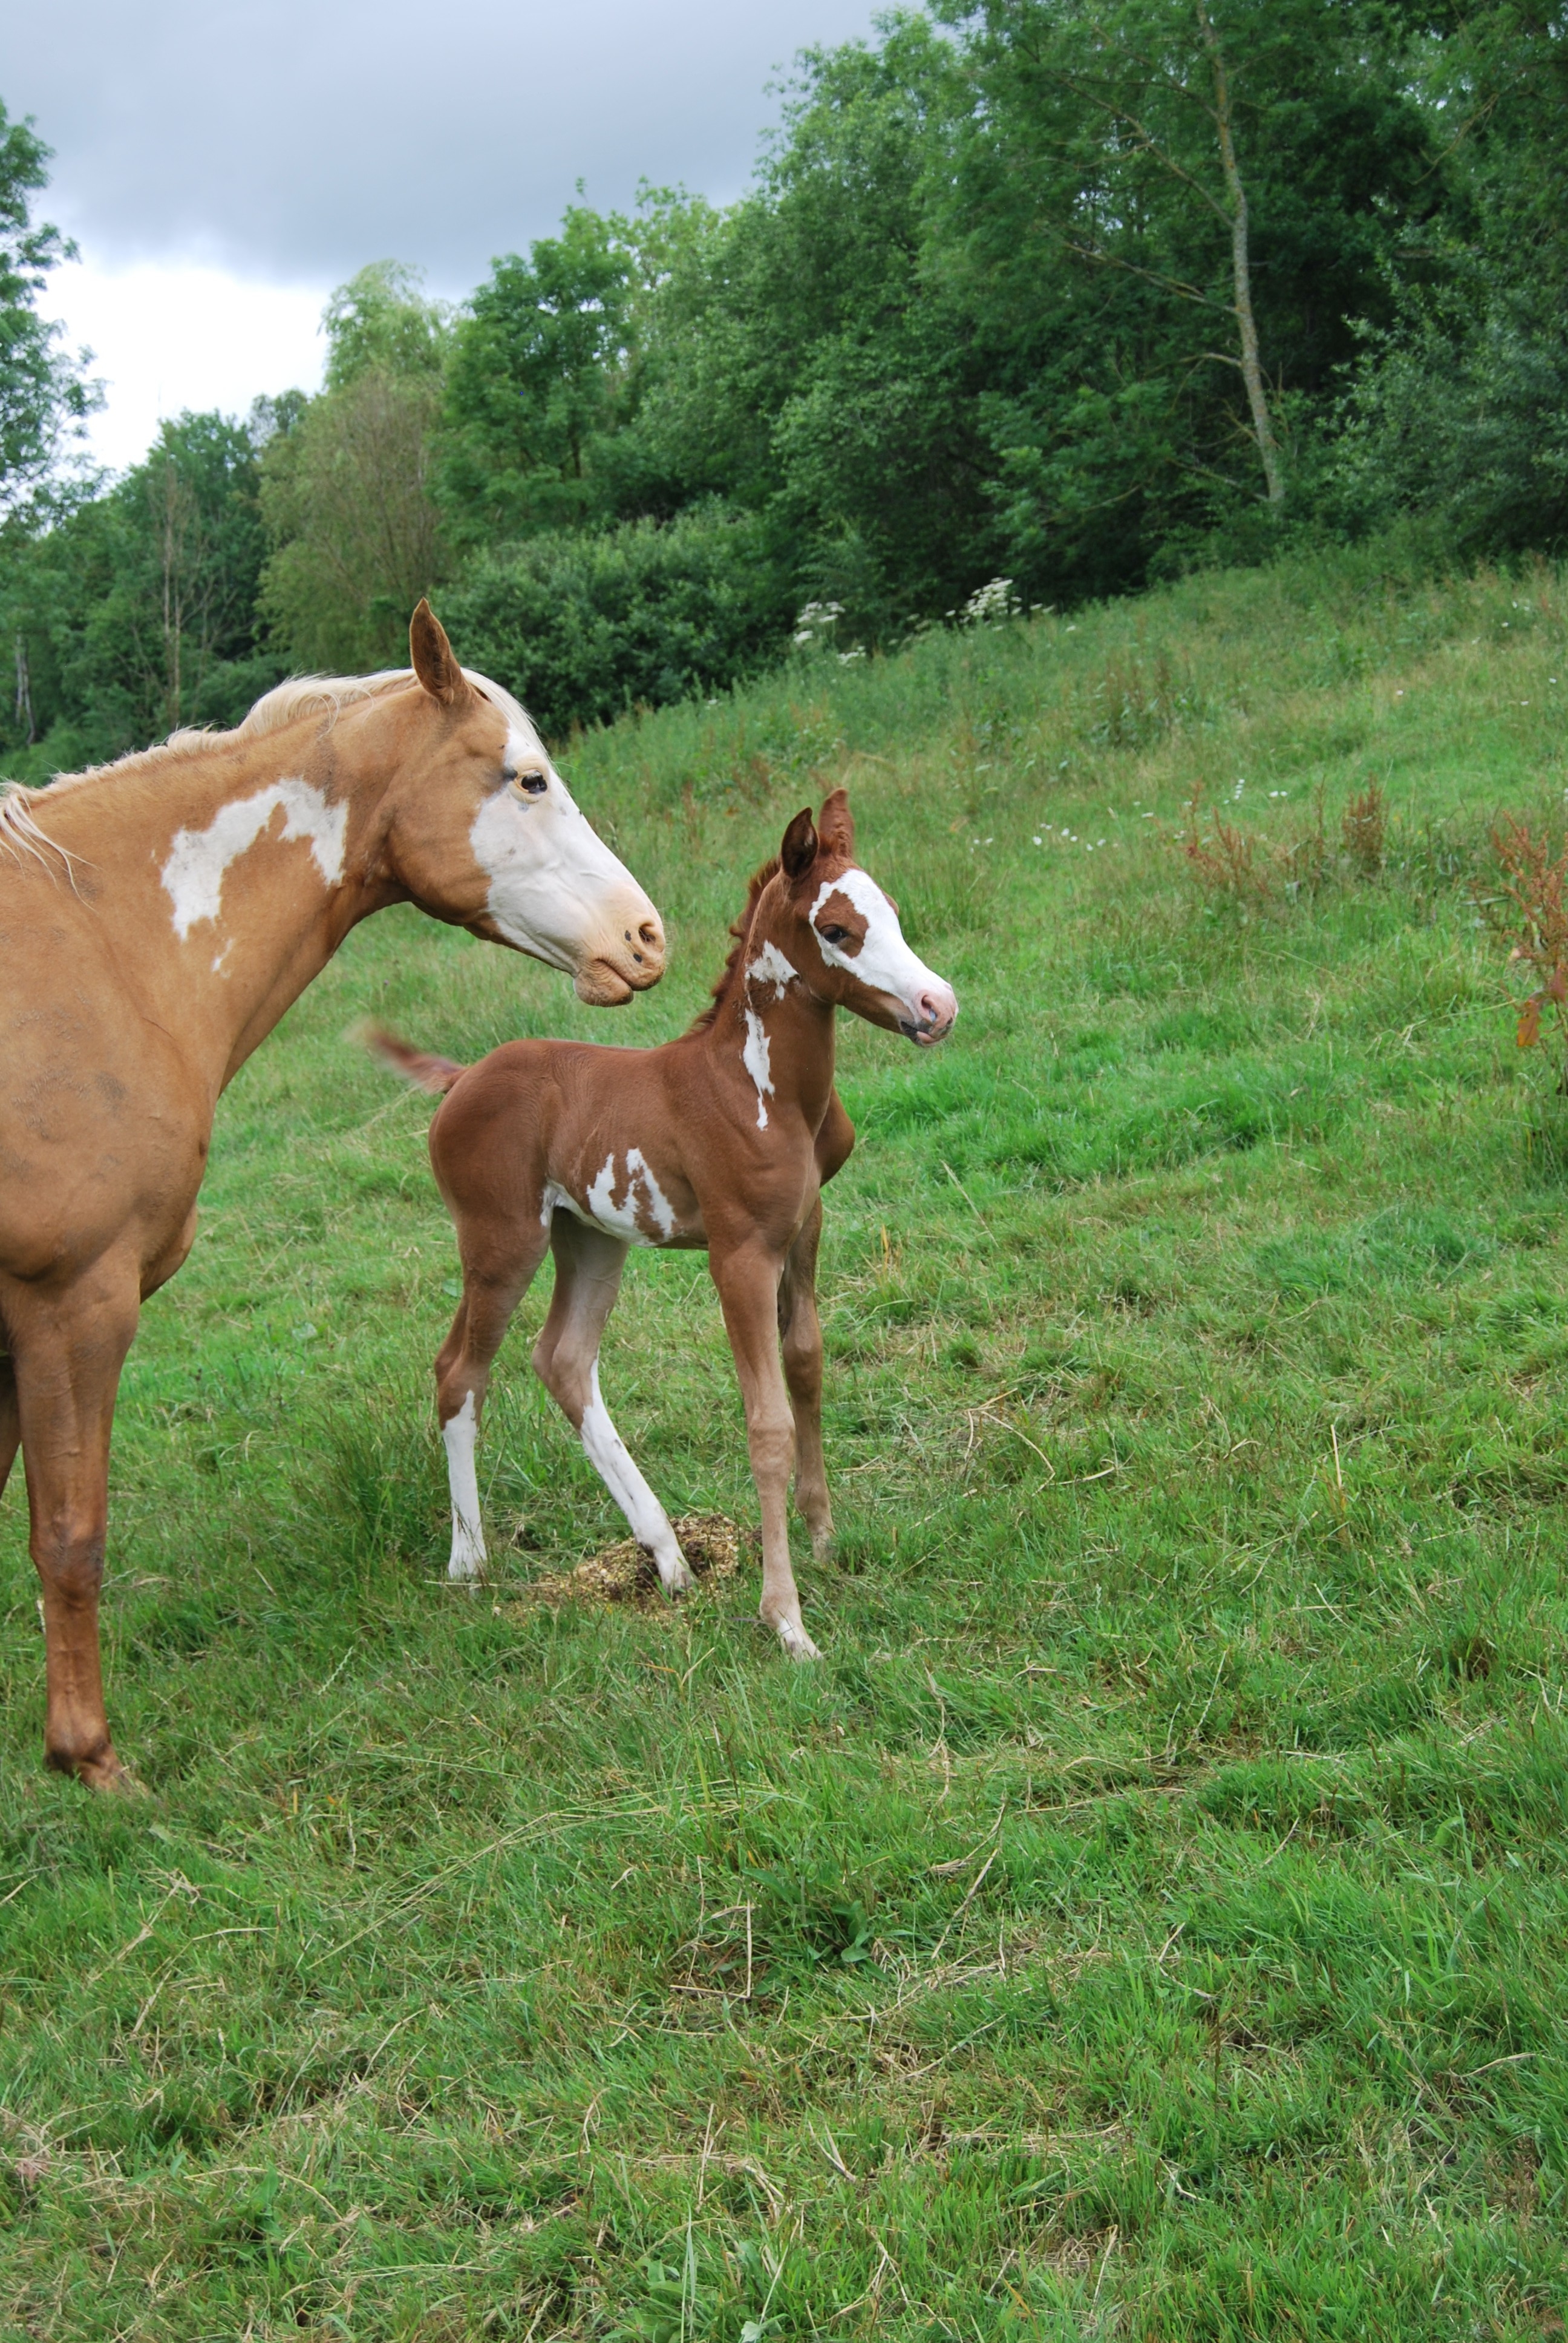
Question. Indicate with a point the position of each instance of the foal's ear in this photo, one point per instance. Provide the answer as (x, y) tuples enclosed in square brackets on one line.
[(798, 850), (433, 659), (836, 826)]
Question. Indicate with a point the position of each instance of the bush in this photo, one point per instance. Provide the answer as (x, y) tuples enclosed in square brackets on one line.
[(582, 627)]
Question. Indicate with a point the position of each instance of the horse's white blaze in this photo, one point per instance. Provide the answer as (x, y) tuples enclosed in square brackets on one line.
[(551, 875), (611, 1460), (756, 1058), (770, 967), (192, 874), (457, 1437), (884, 960)]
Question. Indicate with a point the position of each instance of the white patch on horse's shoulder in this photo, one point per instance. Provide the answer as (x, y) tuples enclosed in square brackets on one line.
[(770, 967), (756, 1058), (192, 874)]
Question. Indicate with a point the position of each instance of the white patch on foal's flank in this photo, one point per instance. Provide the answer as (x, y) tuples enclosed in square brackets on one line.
[(770, 967), (621, 1220), (756, 1058), (197, 860), (457, 1437), (611, 1460)]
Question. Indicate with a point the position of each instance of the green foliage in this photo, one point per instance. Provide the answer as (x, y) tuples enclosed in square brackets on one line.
[(1148, 1920), (42, 396), (134, 613), (583, 626)]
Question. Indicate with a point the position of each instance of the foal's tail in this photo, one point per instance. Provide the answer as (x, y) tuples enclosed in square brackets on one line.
[(416, 1066)]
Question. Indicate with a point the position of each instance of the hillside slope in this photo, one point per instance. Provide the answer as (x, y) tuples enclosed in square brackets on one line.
[(1148, 1919)]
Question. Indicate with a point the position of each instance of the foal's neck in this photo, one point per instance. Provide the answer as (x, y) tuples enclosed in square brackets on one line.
[(773, 1035)]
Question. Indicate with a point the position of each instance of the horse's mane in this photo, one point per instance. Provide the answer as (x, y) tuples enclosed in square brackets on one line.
[(286, 703), (740, 929)]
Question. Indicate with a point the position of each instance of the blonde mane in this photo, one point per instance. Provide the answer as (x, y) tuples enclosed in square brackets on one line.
[(286, 703)]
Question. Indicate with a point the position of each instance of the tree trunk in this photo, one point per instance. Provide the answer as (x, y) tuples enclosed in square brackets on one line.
[(1251, 370)]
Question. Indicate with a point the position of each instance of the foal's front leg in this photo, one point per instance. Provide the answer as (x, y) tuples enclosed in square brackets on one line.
[(800, 1331), (748, 1281), (588, 1266)]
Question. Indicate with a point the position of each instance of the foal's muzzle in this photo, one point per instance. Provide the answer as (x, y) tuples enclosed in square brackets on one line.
[(933, 1020)]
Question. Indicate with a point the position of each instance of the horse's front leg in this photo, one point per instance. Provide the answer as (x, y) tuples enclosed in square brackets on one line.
[(66, 1360), (800, 1333), (748, 1281)]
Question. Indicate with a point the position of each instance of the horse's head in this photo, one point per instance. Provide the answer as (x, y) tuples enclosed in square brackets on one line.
[(845, 941), (483, 832)]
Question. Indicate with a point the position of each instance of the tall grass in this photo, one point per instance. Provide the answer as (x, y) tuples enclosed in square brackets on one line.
[(1148, 1920)]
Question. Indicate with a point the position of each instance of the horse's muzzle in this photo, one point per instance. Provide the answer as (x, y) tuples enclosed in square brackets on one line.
[(633, 962)]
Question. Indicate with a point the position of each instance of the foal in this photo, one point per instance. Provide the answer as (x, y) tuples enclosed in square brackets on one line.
[(722, 1140)]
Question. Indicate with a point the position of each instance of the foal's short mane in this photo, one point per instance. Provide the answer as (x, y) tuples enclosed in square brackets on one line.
[(740, 929)]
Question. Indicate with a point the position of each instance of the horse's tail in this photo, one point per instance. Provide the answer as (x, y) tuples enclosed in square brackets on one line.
[(416, 1066)]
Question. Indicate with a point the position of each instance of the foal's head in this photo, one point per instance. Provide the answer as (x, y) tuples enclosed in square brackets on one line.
[(484, 833), (843, 939)]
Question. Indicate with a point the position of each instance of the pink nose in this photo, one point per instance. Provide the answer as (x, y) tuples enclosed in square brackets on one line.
[(937, 1008)]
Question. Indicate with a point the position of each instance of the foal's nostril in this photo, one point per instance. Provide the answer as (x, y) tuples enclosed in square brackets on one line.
[(931, 1013)]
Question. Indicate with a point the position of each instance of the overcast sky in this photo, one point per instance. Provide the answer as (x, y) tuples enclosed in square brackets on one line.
[(222, 164)]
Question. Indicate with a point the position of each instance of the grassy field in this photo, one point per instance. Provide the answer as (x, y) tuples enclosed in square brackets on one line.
[(1150, 1919)]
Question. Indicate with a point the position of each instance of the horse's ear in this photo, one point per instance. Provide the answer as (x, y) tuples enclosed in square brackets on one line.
[(798, 850), (433, 659), (836, 826)]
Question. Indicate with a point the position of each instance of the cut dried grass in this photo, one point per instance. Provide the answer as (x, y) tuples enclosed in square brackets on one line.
[(627, 1572)]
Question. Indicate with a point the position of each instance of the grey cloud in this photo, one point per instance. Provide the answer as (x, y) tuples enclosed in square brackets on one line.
[(296, 140)]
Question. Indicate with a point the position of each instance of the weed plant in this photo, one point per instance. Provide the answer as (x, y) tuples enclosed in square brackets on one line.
[(1148, 1919)]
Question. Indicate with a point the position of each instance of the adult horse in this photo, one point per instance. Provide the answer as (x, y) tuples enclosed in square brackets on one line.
[(157, 918)]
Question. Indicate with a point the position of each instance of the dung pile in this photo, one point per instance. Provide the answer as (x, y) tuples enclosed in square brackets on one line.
[(627, 1572)]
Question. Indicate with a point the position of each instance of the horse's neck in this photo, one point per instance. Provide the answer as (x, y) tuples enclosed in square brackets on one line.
[(226, 879), (770, 1031)]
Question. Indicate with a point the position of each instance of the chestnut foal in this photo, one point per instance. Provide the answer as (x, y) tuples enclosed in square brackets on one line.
[(722, 1140)]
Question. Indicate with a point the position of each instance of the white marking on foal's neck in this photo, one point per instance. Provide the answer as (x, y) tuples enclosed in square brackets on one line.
[(459, 1436), (200, 859), (756, 1058), (770, 967)]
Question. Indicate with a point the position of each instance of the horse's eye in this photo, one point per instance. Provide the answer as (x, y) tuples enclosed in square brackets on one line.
[(531, 785), (834, 936)]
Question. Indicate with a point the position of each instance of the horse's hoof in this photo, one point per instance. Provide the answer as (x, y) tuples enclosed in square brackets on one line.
[(679, 1583), (822, 1544)]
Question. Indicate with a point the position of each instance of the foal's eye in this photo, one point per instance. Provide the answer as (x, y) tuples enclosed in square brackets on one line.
[(834, 936), (529, 785)]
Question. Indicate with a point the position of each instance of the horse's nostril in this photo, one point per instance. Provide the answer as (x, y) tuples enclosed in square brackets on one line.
[(649, 935), (629, 935), (638, 957)]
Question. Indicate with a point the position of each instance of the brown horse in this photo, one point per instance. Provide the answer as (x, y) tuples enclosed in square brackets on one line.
[(156, 919), (722, 1140)]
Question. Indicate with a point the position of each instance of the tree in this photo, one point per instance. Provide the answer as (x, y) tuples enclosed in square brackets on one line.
[(44, 399), (346, 481), (537, 373)]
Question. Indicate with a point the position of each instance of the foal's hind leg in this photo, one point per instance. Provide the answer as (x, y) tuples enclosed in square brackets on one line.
[(801, 1332), (588, 1266), (462, 1377)]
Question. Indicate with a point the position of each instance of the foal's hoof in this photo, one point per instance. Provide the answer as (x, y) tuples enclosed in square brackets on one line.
[(677, 1582), (100, 1771), (797, 1643)]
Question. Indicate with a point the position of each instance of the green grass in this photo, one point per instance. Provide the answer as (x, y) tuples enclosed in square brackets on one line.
[(1149, 1920)]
